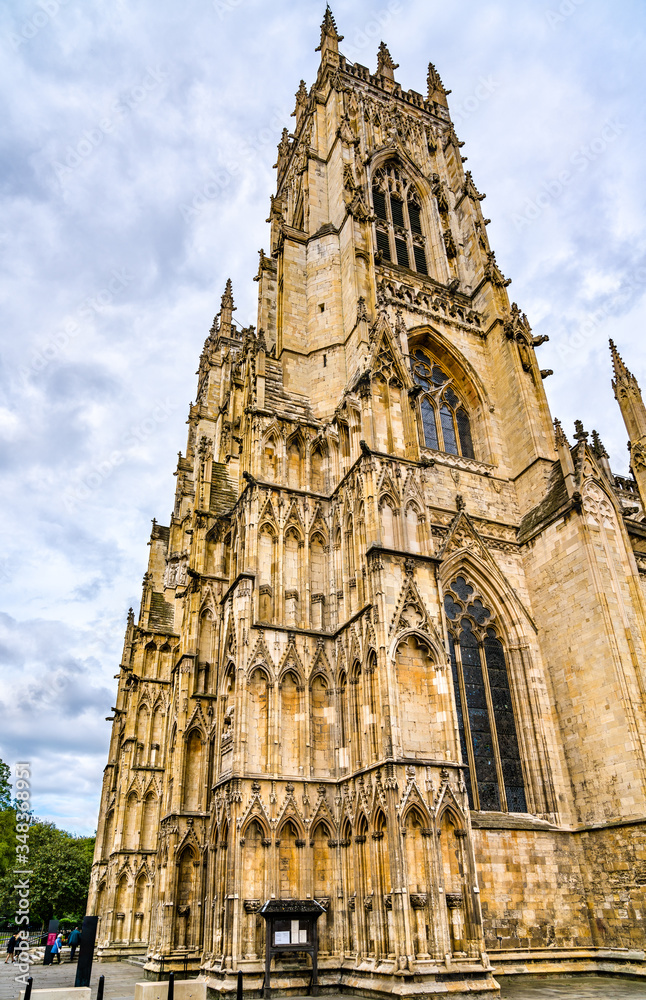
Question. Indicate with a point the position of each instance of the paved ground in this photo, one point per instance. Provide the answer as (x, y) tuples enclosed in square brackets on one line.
[(120, 979), (572, 987)]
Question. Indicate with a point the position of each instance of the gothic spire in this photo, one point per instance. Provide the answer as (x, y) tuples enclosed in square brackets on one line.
[(227, 309), (631, 404), (330, 38), (328, 27), (623, 377)]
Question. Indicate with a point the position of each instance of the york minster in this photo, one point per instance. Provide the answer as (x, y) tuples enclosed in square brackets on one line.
[(390, 659)]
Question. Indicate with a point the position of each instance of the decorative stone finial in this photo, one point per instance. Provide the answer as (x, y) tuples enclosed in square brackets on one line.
[(618, 365), (624, 381), (560, 436), (581, 435), (385, 65), (597, 445), (227, 309), (301, 101), (330, 37), (436, 89)]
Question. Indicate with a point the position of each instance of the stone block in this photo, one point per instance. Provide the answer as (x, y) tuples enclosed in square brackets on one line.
[(62, 993), (185, 989)]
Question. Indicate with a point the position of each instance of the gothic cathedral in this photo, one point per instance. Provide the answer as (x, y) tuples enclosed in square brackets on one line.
[(391, 652)]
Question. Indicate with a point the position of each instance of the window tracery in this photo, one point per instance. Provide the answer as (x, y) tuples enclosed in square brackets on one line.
[(485, 713), (399, 233), (445, 419)]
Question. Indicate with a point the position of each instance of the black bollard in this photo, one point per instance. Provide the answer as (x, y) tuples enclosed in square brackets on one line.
[(51, 937), (99, 992), (30, 982), (239, 991), (86, 951), (171, 985)]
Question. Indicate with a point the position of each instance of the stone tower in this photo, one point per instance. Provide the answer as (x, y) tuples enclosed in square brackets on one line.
[(391, 646)]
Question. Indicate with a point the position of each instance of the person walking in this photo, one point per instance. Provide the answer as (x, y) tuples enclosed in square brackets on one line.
[(11, 947), (57, 948), (74, 942)]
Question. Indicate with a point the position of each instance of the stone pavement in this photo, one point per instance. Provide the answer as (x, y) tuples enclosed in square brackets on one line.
[(572, 987), (120, 979)]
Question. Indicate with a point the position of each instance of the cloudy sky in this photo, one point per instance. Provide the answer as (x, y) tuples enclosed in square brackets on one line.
[(135, 171)]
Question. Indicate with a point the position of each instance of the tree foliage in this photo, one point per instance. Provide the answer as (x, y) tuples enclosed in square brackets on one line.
[(5, 785), (59, 864), (7, 822)]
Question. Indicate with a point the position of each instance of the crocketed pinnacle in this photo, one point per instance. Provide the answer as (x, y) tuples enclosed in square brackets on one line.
[(597, 446), (328, 28), (559, 435), (434, 82), (385, 61), (227, 309), (622, 373), (581, 434), (227, 297)]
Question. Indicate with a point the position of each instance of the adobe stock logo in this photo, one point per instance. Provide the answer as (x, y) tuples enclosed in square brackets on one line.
[(47, 11)]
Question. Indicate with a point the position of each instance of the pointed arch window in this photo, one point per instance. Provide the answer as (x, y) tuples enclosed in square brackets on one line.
[(486, 723), (398, 227), (445, 419)]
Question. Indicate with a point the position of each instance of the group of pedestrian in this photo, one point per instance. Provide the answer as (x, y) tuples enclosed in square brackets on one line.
[(73, 941)]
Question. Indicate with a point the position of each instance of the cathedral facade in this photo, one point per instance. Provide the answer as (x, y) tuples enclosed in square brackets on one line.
[(391, 651)]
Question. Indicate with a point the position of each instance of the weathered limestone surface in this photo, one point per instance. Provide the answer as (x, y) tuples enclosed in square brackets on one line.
[(391, 646)]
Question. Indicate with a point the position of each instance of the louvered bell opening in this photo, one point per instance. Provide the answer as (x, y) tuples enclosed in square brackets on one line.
[(415, 219), (383, 244), (397, 209), (420, 259), (402, 253), (380, 204), (464, 432)]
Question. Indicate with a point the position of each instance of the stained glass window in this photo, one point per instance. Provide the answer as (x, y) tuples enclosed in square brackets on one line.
[(395, 203), (485, 715), (428, 422), (444, 417)]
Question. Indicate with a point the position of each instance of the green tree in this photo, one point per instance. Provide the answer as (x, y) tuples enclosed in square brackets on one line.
[(7, 823), (7, 838), (59, 864), (60, 875), (5, 785)]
